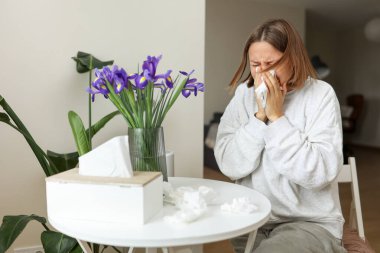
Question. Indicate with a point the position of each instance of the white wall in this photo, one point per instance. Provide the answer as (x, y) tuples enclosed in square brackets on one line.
[(39, 80), (228, 25)]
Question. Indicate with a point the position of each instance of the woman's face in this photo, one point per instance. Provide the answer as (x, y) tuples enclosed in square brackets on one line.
[(263, 55)]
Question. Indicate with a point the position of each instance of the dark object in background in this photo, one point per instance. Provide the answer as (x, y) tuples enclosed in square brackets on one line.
[(322, 69), (356, 101), (349, 122), (208, 153)]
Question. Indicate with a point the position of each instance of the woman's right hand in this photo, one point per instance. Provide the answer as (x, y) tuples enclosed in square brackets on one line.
[(260, 114)]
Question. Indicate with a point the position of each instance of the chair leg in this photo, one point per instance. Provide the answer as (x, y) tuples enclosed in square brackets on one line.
[(352, 220)]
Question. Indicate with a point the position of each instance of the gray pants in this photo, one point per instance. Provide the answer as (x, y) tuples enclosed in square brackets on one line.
[(292, 237)]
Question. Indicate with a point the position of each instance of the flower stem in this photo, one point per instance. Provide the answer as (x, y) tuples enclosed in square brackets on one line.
[(89, 111)]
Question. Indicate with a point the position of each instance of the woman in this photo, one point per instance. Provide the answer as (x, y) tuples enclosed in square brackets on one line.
[(289, 148)]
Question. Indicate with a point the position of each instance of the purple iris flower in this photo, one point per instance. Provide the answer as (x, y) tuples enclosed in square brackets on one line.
[(120, 79), (148, 74), (107, 74), (195, 87), (168, 79), (191, 86), (141, 81), (100, 88), (187, 74), (150, 66)]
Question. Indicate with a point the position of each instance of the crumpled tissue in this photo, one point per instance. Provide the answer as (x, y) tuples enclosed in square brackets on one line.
[(110, 159), (262, 89), (192, 203), (242, 205)]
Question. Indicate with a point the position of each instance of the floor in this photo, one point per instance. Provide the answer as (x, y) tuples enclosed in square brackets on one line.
[(368, 167)]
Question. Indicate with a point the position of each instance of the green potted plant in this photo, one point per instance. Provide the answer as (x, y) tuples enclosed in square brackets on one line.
[(52, 163)]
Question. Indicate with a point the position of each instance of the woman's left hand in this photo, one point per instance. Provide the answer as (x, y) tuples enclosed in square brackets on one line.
[(275, 97)]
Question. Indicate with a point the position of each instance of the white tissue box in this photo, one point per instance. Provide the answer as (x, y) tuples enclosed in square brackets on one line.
[(106, 199)]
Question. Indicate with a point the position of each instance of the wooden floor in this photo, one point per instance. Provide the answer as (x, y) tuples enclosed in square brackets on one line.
[(368, 166)]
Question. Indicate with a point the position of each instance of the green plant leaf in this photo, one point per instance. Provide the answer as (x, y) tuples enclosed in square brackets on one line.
[(55, 242), (95, 128), (63, 162), (77, 249), (12, 227), (48, 167), (79, 133), (5, 118), (86, 62)]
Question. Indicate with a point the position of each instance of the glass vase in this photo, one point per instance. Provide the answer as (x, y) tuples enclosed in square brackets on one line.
[(147, 150)]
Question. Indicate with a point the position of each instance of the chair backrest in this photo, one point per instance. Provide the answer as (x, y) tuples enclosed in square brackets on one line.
[(348, 174), (357, 102)]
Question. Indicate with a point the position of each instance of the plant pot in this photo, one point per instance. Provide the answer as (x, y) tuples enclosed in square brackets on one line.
[(147, 150)]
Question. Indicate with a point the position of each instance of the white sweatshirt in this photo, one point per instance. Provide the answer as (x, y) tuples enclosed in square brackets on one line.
[(294, 160)]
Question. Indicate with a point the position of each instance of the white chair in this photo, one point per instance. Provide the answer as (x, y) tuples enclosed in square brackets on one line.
[(348, 175)]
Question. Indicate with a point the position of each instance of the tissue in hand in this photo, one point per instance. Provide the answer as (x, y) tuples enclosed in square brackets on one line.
[(111, 159), (262, 89)]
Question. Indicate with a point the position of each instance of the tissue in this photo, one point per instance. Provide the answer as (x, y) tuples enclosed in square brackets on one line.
[(192, 203), (262, 90), (111, 159), (242, 205)]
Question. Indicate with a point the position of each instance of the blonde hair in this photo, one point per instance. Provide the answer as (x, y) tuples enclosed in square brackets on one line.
[(284, 37)]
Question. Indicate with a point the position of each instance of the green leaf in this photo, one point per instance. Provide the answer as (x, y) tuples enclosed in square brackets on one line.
[(79, 133), (101, 123), (49, 168), (77, 249), (86, 62), (169, 103), (63, 162), (12, 227), (5, 118), (55, 242), (68, 161), (116, 100)]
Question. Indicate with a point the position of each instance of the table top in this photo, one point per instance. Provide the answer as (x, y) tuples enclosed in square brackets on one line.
[(214, 225)]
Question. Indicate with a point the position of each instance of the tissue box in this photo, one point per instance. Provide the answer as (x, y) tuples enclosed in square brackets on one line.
[(106, 199)]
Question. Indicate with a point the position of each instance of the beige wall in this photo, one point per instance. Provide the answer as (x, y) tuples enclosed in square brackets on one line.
[(228, 25), (39, 81)]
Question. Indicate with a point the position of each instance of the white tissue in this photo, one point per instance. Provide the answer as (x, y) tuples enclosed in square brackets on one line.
[(262, 90), (261, 93), (242, 205), (192, 203), (111, 159)]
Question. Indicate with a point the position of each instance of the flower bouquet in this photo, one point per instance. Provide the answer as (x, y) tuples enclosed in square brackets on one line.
[(144, 99)]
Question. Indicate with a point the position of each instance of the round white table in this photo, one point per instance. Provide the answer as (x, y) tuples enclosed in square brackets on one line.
[(214, 225)]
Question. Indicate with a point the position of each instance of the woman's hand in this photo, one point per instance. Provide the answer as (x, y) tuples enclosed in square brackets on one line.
[(275, 97), (260, 114)]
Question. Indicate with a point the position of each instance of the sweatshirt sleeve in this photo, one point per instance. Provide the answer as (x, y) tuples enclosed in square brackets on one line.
[(240, 140), (310, 158)]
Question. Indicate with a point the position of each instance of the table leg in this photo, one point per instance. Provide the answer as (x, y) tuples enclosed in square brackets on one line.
[(84, 246), (250, 242)]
